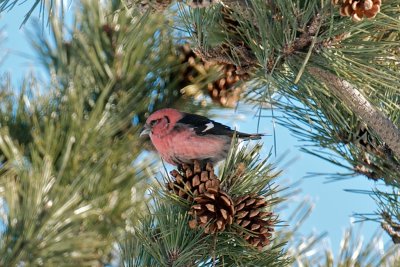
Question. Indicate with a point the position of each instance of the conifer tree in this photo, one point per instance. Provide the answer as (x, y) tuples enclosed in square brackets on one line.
[(76, 187), (331, 66)]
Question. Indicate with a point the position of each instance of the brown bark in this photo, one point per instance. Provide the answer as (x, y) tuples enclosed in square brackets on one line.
[(374, 118)]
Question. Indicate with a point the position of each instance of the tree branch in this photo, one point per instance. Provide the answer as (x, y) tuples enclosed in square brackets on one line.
[(374, 118), (391, 228)]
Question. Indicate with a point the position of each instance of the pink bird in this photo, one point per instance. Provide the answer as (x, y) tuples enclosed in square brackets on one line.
[(182, 137)]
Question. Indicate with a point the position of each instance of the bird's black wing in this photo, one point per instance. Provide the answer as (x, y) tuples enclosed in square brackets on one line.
[(203, 125)]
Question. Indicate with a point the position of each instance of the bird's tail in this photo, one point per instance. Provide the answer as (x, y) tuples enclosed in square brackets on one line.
[(246, 136)]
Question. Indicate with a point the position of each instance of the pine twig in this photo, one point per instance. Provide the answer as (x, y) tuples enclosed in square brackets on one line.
[(391, 228), (214, 256), (305, 39), (349, 94), (148, 5)]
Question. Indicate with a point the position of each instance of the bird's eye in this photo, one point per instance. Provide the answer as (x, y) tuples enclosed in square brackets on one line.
[(154, 122)]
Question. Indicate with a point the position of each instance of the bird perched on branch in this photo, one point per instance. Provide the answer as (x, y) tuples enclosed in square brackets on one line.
[(182, 137)]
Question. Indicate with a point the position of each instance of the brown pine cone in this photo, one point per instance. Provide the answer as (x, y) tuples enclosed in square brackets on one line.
[(193, 180), (225, 91), (193, 65), (213, 210), (258, 223), (357, 10)]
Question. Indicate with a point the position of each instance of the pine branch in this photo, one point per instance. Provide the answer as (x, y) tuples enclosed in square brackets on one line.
[(287, 56), (147, 5), (314, 249), (70, 178), (391, 228), (379, 122), (388, 213), (280, 40), (165, 238), (235, 211), (329, 124)]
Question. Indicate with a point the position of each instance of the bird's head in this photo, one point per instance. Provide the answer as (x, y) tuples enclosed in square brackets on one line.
[(161, 122)]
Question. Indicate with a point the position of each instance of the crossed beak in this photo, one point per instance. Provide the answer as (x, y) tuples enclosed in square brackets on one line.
[(145, 131)]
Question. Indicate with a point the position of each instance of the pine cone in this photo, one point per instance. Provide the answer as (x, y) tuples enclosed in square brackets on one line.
[(191, 70), (192, 180), (250, 216), (357, 10), (225, 91), (213, 210)]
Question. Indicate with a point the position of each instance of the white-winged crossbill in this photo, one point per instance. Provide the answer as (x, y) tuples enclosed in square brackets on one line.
[(182, 137)]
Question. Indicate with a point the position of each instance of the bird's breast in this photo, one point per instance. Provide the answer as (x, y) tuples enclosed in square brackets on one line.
[(185, 146)]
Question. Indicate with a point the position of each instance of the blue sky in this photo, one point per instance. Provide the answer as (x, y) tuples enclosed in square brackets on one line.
[(333, 206)]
